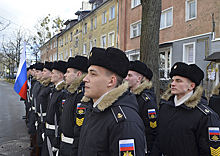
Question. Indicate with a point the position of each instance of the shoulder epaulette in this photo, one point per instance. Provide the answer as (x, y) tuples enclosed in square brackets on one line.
[(80, 89), (204, 109), (145, 96), (118, 113)]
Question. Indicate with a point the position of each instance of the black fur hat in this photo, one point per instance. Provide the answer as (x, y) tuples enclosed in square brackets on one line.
[(141, 68), (39, 66), (79, 62), (48, 65), (60, 65), (112, 59), (192, 72)]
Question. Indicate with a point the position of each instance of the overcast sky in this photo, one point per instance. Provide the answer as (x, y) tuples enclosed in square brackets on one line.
[(25, 13)]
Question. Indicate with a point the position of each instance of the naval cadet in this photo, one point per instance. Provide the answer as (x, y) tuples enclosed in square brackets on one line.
[(139, 78), (54, 109), (73, 112), (186, 125), (112, 125), (42, 102)]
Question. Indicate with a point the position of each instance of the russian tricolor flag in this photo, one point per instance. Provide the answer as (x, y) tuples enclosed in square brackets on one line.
[(151, 111), (79, 106), (213, 131), (126, 145), (20, 85)]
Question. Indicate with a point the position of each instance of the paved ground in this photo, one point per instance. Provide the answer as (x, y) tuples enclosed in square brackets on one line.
[(14, 138)]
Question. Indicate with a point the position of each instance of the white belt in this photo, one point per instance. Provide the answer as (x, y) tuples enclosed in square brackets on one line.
[(43, 114), (33, 108), (66, 139), (48, 126)]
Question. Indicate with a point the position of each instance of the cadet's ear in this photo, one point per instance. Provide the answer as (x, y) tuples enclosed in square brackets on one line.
[(112, 81)]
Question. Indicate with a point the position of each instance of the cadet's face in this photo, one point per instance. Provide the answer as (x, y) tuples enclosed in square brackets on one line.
[(45, 73), (133, 79), (54, 76), (70, 76), (96, 82), (181, 86), (38, 74)]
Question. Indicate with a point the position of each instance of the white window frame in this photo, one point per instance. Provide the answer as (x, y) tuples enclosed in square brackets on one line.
[(188, 2), (90, 45), (186, 51), (71, 52), (167, 64), (110, 43), (132, 54), (84, 48), (138, 29), (104, 17), (95, 23), (164, 12), (103, 36), (138, 2), (111, 13), (71, 36), (54, 56)]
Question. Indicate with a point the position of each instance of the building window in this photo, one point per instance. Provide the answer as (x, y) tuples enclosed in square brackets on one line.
[(94, 42), (90, 45), (104, 17), (166, 18), (111, 12), (76, 45), (61, 56), (66, 55), (135, 3), (136, 29), (111, 38), (191, 9), (54, 56), (71, 51), (165, 63), (84, 49), (95, 24), (50, 58), (103, 41), (134, 56), (85, 28), (189, 53), (91, 24), (71, 36)]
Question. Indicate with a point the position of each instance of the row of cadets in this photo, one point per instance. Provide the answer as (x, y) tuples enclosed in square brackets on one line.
[(42, 102), (140, 84), (73, 112), (37, 72), (54, 109)]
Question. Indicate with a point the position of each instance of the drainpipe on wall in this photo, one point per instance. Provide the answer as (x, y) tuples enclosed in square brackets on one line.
[(125, 26), (82, 32), (117, 24)]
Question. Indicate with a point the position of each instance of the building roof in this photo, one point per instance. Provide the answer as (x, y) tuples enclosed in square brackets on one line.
[(213, 57)]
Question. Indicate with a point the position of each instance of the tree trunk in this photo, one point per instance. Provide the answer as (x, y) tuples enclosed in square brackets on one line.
[(149, 44)]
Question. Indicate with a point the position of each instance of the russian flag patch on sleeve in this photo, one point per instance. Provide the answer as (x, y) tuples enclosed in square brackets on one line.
[(214, 134), (126, 147)]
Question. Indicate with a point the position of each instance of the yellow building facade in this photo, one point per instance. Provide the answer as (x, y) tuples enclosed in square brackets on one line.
[(98, 28)]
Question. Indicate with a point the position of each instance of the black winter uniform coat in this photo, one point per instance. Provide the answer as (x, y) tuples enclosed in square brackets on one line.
[(32, 115), (214, 101), (43, 99), (148, 110), (69, 127), (183, 130), (112, 123), (57, 97)]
